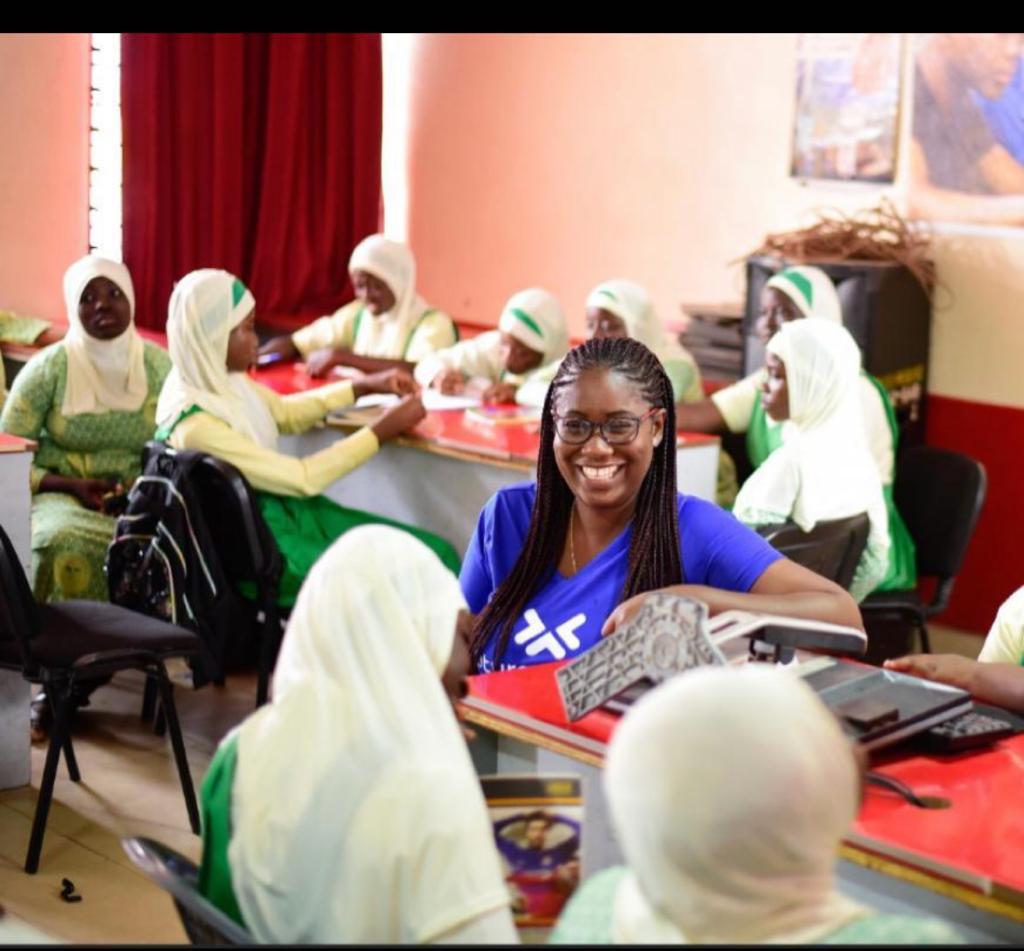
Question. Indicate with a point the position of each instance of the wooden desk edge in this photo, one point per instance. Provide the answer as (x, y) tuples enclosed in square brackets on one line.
[(526, 735)]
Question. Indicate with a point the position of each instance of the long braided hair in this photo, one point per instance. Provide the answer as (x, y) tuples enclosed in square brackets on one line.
[(654, 560)]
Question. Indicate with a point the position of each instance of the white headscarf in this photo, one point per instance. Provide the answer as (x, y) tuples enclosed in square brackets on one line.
[(206, 305), (357, 815), (811, 290), (535, 318), (730, 790), (393, 263), (103, 375), (824, 469)]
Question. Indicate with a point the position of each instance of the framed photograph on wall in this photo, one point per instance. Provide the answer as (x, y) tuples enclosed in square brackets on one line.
[(847, 106), (967, 142)]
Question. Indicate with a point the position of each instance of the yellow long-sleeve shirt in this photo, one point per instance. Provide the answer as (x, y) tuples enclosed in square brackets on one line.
[(268, 470)]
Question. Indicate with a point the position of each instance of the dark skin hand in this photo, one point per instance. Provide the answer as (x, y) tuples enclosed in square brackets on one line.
[(90, 492), (1000, 684)]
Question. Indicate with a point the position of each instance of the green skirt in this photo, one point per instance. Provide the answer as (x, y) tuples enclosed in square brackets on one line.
[(215, 809), (69, 546), (305, 527)]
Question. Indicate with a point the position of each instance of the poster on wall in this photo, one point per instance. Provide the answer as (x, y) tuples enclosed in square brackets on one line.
[(847, 106), (967, 142)]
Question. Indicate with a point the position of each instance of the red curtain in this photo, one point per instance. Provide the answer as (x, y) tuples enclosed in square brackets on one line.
[(254, 152)]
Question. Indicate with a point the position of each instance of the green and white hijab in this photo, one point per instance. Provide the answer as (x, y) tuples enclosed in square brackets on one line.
[(811, 290), (206, 305), (535, 318)]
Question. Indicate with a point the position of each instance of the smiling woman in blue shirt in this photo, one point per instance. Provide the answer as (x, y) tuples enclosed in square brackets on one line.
[(554, 565)]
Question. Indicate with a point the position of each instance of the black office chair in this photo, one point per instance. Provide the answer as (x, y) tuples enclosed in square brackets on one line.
[(204, 922), (246, 551), (832, 548), (67, 647), (940, 495)]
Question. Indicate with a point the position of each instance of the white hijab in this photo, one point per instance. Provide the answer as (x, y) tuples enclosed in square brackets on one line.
[(825, 469), (730, 790), (205, 307), (102, 375), (811, 290), (357, 815), (535, 318), (632, 305), (393, 263)]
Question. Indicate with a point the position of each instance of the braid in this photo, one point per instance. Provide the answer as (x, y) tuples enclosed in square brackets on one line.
[(653, 560)]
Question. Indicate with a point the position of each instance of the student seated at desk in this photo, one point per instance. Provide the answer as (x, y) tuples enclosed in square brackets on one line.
[(209, 404), (624, 309), (997, 676), (553, 562), (17, 329), (388, 325), (90, 403), (347, 810), (730, 791), (518, 360), (823, 470), (794, 293)]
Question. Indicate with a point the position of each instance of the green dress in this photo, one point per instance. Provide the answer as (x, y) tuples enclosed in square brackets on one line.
[(215, 812), (69, 542), (763, 438), (587, 919)]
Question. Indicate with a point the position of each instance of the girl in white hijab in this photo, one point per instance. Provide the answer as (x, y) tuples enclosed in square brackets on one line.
[(624, 309), (89, 401), (730, 791), (354, 814), (823, 469), (516, 362), (388, 325), (209, 403)]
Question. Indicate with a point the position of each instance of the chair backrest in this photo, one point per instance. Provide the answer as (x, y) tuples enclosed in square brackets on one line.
[(940, 495), (19, 617), (832, 548), (204, 922)]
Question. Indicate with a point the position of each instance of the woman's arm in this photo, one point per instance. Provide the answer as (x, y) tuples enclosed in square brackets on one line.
[(1001, 684), (784, 588)]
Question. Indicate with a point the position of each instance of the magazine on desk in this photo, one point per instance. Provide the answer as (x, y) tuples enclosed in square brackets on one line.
[(538, 823)]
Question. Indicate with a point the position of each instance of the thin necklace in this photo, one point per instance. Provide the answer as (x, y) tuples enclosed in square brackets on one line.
[(572, 544)]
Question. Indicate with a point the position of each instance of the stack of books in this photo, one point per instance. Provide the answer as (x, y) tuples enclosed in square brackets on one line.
[(714, 335)]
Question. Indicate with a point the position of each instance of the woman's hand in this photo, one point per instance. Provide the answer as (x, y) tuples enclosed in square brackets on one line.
[(320, 362), (90, 492), (399, 418), (387, 381), (449, 381), (500, 393), (949, 669)]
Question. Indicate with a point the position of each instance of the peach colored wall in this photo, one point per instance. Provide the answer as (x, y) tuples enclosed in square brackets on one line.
[(44, 166), (566, 159)]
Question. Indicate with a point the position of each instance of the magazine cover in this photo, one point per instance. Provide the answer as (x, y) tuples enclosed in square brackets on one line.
[(537, 822)]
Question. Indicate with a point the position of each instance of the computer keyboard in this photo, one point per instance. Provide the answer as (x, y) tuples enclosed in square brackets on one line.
[(964, 732)]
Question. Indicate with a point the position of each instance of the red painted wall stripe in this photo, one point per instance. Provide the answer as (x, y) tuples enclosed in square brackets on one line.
[(994, 566)]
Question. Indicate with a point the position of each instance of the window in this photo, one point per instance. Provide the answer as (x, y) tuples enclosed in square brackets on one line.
[(105, 146)]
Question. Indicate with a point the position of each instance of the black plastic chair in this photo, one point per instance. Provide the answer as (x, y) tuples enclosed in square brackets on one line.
[(832, 548), (67, 647), (245, 548), (940, 495), (204, 922)]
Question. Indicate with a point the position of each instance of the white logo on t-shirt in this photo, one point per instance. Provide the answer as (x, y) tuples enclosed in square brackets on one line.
[(536, 635)]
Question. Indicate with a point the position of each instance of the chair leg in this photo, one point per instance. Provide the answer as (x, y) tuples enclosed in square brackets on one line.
[(269, 630), (61, 730), (148, 700), (926, 643), (69, 751), (160, 720), (169, 711)]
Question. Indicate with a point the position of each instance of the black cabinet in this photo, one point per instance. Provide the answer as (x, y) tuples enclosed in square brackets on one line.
[(887, 312)]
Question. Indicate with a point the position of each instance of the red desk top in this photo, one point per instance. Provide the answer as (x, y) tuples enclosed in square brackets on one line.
[(977, 842), (453, 429)]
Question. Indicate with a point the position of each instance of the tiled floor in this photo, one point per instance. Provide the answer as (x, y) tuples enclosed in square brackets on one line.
[(130, 787)]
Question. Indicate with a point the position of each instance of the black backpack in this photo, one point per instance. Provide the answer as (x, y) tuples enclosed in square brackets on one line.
[(162, 561)]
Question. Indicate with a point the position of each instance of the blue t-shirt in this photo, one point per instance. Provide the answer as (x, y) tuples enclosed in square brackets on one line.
[(565, 617)]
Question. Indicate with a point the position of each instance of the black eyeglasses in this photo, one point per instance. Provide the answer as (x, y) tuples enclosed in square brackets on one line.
[(616, 431)]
